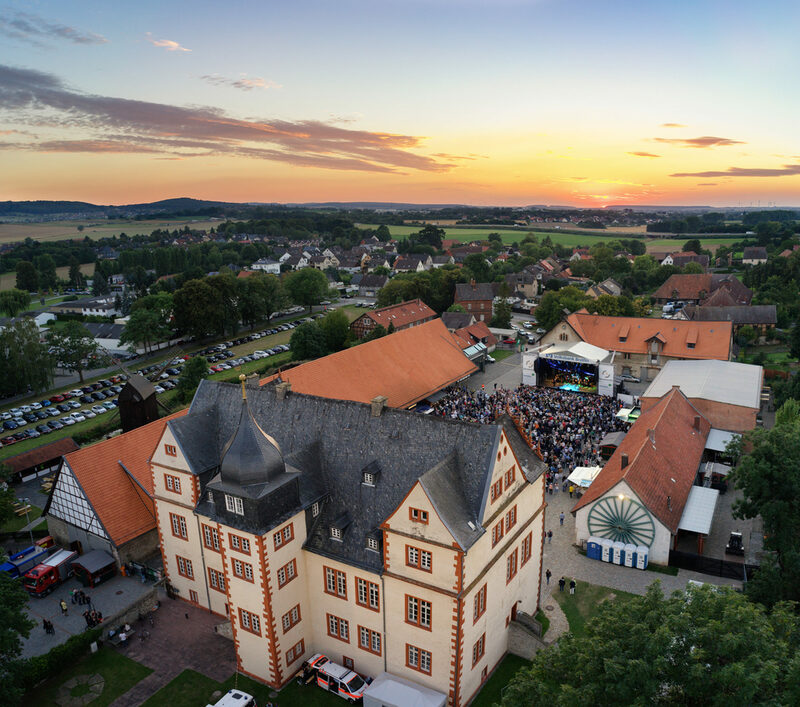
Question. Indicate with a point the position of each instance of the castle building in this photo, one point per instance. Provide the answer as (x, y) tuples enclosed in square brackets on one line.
[(387, 540)]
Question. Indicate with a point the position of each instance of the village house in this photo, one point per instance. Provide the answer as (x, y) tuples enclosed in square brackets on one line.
[(267, 265), (697, 288), (476, 298), (754, 255), (399, 316)]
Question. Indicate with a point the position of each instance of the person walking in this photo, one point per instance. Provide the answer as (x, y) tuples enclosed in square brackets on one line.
[(72, 595), (549, 536), (571, 490), (561, 518), (64, 607), (561, 583), (547, 575), (572, 586)]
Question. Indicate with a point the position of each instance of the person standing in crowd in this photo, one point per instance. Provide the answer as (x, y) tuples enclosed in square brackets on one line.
[(572, 586), (561, 518), (64, 607), (561, 583), (547, 575), (549, 536)]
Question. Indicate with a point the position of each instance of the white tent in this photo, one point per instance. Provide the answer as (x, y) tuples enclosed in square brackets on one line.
[(584, 475), (393, 691)]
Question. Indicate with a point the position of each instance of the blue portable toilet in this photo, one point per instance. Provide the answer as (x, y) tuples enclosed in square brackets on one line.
[(618, 551), (593, 549), (642, 553), (605, 550), (630, 555)]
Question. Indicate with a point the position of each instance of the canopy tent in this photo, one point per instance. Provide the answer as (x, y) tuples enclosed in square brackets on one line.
[(629, 414), (578, 351), (699, 510), (718, 439), (584, 475)]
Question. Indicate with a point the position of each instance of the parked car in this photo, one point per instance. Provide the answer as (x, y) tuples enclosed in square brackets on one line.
[(36, 406), (74, 404), (168, 385), (64, 407), (41, 415), (57, 399), (99, 410), (109, 404), (6, 441), (9, 425), (78, 417), (55, 424), (29, 417), (53, 412), (43, 429), (45, 403), (98, 395), (86, 399), (76, 393), (159, 389)]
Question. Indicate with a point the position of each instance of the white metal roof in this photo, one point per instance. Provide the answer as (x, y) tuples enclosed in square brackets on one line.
[(721, 381), (699, 510), (718, 439), (584, 475), (579, 349), (394, 691)]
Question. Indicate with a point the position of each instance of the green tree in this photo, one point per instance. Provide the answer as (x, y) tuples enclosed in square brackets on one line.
[(502, 310), (25, 364), (46, 267), (705, 646), (194, 371), (198, 311), (768, 476), (377, 332), (693, 269), (14, 626), (145, 327), (383, 234), (693, 246), (794, 341), (746, 335), (430, 235), (14, 301), (100, 280), (552, 305), (227, 293), (456, 308), (646, 263), (336, 327), (75, 349), (307, 287), (477, 266), (27, 277), (308, 341), (76, 279)]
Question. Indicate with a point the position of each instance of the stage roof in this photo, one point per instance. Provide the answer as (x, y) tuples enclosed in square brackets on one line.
[(578, 350)]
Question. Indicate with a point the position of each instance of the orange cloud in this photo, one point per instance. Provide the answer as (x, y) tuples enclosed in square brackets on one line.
[(643, 154), (707, 141), (673, 125), (786, 170), (167, 44)]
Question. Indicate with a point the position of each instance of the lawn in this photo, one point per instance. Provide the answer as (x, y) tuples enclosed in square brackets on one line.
[(19, 522), (492, 691), (580, 607), (120, 674), (500, 354)]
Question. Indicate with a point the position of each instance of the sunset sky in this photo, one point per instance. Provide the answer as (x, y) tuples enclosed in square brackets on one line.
[(506, 102)]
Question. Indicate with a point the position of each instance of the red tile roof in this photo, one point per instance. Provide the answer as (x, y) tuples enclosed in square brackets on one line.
[(664, 449), (406, 366), (684, 287), (712, 339), (121, 504), (477, 332), (401, 315), (43, 453)]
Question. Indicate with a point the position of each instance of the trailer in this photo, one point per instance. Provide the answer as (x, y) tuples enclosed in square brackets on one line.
[(45, 577), (18, 564), (94, 567), (393, 691)]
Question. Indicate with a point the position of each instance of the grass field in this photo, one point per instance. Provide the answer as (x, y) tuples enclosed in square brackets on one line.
[(492, 691), (589, 238), (120, 675), (580, 607), (12, 525), (97, 228), (9, 279)]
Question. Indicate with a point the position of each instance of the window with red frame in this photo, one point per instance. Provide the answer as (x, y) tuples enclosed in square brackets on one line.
[(368, 594), (369, 640), (418, 612), (335, 583), (185, 567), (338, 628), (242, 570), (511, 475), (178, 526), (216, 580), (418, 515), (527, 546), (287, 573), (478, 650), (420, 559), (479, 604), (511, 518), (291, 618), (250, 622), (211, 538), (283, 536), (418, 659), (239, 543), (497, 490), (511, 566), (170, 450), (295, 652), (498, 532), (172, 483)]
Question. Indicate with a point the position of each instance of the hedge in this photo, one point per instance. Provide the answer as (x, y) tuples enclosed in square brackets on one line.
[(31, 671)]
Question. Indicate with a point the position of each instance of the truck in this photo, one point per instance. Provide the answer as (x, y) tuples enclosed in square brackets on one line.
[(45, 577), (18, 564)]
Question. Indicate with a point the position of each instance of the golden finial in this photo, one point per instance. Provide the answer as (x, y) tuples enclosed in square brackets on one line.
[(242, 378)]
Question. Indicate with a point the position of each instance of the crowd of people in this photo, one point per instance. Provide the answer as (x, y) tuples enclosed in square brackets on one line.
[(564, 428)]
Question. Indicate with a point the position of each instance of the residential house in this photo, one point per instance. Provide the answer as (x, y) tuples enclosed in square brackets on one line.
[(439, 261), (399, 316), (457, 320), (679, 260), (477, 333), (413, 263), (368, 285), (754, 255), (609, 286), (696, 288), (523, 284), (267, 265), (476, 298), (761, 317)]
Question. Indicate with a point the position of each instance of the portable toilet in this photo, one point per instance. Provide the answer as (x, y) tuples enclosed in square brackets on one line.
[(593, 549), (642, 551), (605, 550), (630, 555), (618, 551)]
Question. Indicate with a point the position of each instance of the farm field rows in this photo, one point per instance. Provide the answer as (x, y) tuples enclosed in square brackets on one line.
[(94, 228)]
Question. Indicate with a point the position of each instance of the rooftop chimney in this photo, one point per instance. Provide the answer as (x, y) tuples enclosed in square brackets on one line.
[(669, 502), (623, 461), (697, 422), (282, 390), (651, 433), (472, 282), (378, 403)]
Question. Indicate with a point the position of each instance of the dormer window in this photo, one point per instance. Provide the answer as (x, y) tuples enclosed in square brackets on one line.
[(234, 504), (370, 474), (336, 533), (368, 478), (373, 543), (315, 509)]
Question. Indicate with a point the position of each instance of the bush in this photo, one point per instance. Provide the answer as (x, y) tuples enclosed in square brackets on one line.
[(32, 671), (95, 432)]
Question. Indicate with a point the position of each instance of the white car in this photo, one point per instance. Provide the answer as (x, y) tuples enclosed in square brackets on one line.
[(26, 409), (159, 389), (68, 420), (88, 413), (260, 354), (99, 410), (76, 393), (36, 406), (78, 416), (490, 359)]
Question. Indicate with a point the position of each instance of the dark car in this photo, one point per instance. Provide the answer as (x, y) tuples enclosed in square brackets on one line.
[(173, 371), (7, 440), (19, 436), (106, 383), (116, 389), (63, 407), (55, 424), (41, 415), (43, 429), (86, 399), (29, 417), (87, 389), (9, 425), (99, 395), (97, 386)]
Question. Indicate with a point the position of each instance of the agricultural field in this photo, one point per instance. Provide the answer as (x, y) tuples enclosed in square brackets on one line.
[(97, 228), (589, 238), (9, 279)]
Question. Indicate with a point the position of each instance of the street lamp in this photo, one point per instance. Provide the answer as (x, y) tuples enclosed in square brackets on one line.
[(27, 503)]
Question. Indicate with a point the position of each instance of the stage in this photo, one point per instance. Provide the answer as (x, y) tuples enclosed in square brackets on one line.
[(577, 367)]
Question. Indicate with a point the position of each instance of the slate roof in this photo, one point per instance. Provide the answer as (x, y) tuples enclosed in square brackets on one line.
[(710, 339), (406, 366), (332, 441), (123, 504), (754, 253), (766, 314), (457, 320), (479, 291), (105, 330), (661, 468), (371, 280)]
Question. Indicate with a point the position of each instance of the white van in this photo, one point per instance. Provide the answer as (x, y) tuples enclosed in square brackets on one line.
[(235, 698)]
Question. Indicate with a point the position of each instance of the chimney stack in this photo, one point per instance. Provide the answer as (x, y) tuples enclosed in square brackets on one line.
[(472, 282), (651, 433), (697, 422), (623, 460), (282, 390), (669, 502), (378, 403)]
